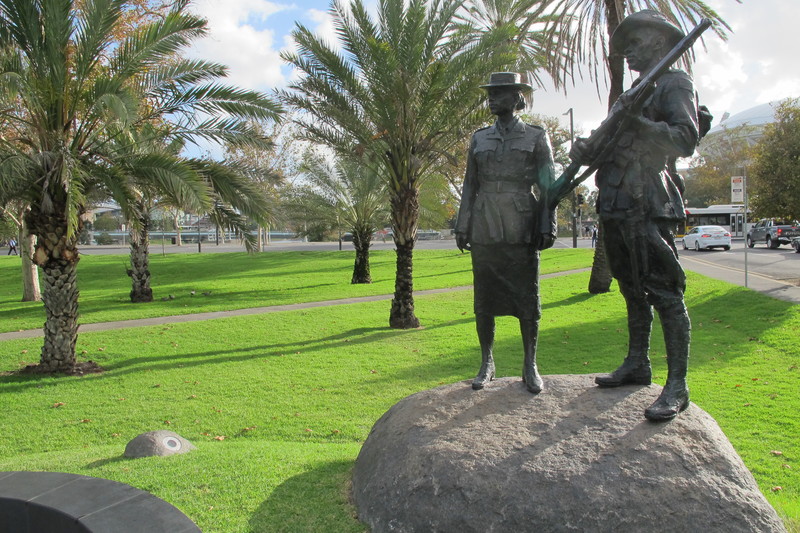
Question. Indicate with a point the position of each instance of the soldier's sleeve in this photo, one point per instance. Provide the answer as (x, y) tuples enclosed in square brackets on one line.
[(546, 175), (468, 192), (676, 131)]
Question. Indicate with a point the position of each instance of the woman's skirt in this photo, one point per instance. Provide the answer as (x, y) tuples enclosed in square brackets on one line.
[(506, 279)]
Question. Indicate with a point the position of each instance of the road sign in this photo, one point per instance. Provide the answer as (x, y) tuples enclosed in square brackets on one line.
[(737, 189)]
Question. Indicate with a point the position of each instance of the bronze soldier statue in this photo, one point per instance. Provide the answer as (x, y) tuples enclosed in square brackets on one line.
[(639, 203), (504, 225)]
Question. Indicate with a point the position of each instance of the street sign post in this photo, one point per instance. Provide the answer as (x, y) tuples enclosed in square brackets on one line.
[(737, 189)]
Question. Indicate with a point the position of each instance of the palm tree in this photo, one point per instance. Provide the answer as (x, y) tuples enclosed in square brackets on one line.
[(401, 91), (223, 191), (72, 95), (582, 30), (530, 37), (353, 195)]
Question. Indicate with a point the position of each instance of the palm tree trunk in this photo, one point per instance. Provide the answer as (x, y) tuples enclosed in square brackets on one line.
[(362, 241), (600, 279), (140, 261), (405, 214), (615, 12), (57, 255), (30, 272), (177, 231)]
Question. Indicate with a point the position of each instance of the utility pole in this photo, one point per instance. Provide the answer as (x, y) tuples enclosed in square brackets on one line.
[(574, 203)]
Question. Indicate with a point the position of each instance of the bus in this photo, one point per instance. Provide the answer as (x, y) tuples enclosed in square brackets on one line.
[(730, 217)]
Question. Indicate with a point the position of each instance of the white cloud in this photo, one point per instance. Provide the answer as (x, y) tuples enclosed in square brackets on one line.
[(758, 62), (235, 41), (324, 27)]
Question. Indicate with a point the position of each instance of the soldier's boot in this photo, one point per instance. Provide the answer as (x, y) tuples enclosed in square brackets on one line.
[(485, 326), (674, 397), (530, 373), (635, 369)]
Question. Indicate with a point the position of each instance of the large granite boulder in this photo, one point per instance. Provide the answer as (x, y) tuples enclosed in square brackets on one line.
[(573, 458)]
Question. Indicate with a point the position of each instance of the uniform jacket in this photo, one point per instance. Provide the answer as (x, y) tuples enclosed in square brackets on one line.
[(497, 202), (640, 174)]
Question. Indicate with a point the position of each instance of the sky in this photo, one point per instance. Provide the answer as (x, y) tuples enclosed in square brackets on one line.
[(759, 63)]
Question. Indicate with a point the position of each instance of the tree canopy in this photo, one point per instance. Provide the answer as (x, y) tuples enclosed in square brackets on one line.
[(73, 98), (774, 185)]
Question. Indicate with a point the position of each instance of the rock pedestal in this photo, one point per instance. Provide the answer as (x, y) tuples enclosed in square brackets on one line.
[(572, 458)]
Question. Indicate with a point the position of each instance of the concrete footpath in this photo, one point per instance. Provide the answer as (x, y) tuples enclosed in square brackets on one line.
[(771, 287), (195, 317)]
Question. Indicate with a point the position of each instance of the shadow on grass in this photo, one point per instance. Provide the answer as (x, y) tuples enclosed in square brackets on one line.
[(316, 500), (349, 338)]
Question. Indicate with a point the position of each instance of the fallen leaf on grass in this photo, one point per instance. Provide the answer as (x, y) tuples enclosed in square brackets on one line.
[(309, 430), (115, 434), (776, 452), (24, 351), (373, 371), (784, 465), (167, 422), (220, 437), (58, 404), (86, 420), (776, 489), (251, 428), (754, 379)]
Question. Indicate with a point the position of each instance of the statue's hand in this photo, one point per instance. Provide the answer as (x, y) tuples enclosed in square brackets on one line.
[(545, 241), (462, 242), (581, 151)]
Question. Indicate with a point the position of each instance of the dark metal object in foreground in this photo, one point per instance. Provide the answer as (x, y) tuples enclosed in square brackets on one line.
[(33, 502)]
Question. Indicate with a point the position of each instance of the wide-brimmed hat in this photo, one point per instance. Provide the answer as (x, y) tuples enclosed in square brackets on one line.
[(511, 80), (644, 18)]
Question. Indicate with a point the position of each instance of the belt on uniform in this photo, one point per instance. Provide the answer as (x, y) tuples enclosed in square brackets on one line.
[(505, 186)]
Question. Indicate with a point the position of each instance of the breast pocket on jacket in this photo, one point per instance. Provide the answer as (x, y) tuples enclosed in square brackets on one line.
[(523, 159)]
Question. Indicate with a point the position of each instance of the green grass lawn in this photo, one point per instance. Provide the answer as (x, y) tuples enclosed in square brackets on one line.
[(238, 281), (279, 404)]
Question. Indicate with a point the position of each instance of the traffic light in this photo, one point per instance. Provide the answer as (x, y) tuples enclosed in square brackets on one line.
[(580, 199)]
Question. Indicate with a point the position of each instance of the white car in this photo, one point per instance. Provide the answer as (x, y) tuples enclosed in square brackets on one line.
[(707, 237)]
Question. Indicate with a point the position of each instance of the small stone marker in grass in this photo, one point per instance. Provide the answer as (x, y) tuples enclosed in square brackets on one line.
[(161, 443)]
